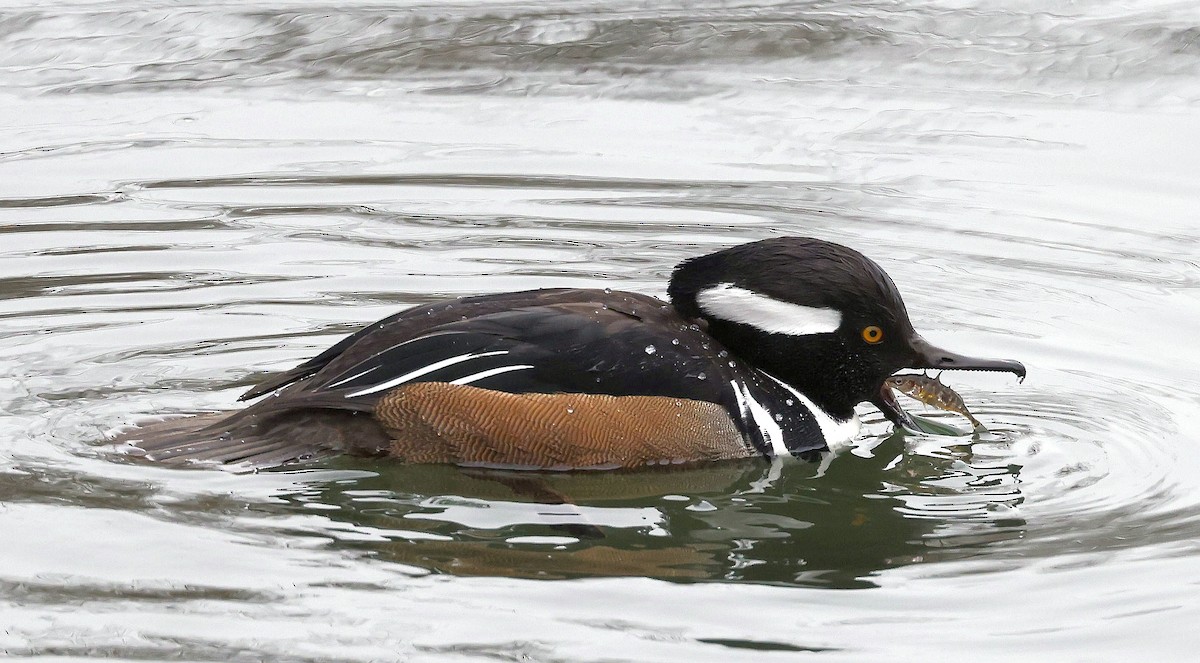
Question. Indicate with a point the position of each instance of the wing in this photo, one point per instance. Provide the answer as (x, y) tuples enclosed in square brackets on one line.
[(608, 343), (407, 325)]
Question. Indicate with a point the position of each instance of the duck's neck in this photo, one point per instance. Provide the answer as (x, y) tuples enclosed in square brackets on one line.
[(803, 364)]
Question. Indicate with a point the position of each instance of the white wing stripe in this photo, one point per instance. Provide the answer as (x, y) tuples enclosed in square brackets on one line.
[(490, 372), (352, 377), (729, 302), (425, 370)]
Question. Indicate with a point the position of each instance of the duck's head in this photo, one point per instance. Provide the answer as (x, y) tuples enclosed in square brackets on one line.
[(819, 316)]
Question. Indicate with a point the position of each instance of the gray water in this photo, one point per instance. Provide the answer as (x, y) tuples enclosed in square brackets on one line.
[(195, 196)]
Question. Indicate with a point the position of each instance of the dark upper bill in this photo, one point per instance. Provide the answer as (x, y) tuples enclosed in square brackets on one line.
[(929, 356)]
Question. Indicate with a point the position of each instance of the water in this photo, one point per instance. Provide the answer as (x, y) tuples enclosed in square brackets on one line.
[(193, 197)]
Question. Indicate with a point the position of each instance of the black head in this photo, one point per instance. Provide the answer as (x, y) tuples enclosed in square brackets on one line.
[(820, 316)]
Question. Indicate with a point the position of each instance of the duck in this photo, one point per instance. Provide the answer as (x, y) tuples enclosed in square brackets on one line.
[(761, 350)]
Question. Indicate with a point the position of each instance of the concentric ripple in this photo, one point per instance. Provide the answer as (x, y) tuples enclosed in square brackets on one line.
[(240, 292)]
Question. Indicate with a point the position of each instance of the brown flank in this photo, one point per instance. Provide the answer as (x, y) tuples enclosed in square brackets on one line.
[(436, 422)]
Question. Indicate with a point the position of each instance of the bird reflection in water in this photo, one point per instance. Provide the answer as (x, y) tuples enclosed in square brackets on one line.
[(787, 522)]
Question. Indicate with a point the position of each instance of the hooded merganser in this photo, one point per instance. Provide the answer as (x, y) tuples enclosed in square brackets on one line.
[(764, 350)]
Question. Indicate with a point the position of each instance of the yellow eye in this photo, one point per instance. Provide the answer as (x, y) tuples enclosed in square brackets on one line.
[(872, 334)]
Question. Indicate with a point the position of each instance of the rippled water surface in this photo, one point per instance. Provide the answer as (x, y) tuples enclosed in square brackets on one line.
[(195, 196)]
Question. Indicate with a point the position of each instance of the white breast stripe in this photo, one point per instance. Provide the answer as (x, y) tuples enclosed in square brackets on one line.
[(411, 375), (762, 418), (489, 373), (835, 432), (729, 302)]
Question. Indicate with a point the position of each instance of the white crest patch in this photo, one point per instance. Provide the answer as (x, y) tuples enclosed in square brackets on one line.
[(729, 302)]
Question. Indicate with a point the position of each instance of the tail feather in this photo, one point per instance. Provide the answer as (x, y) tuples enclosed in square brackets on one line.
[(251, 441)]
